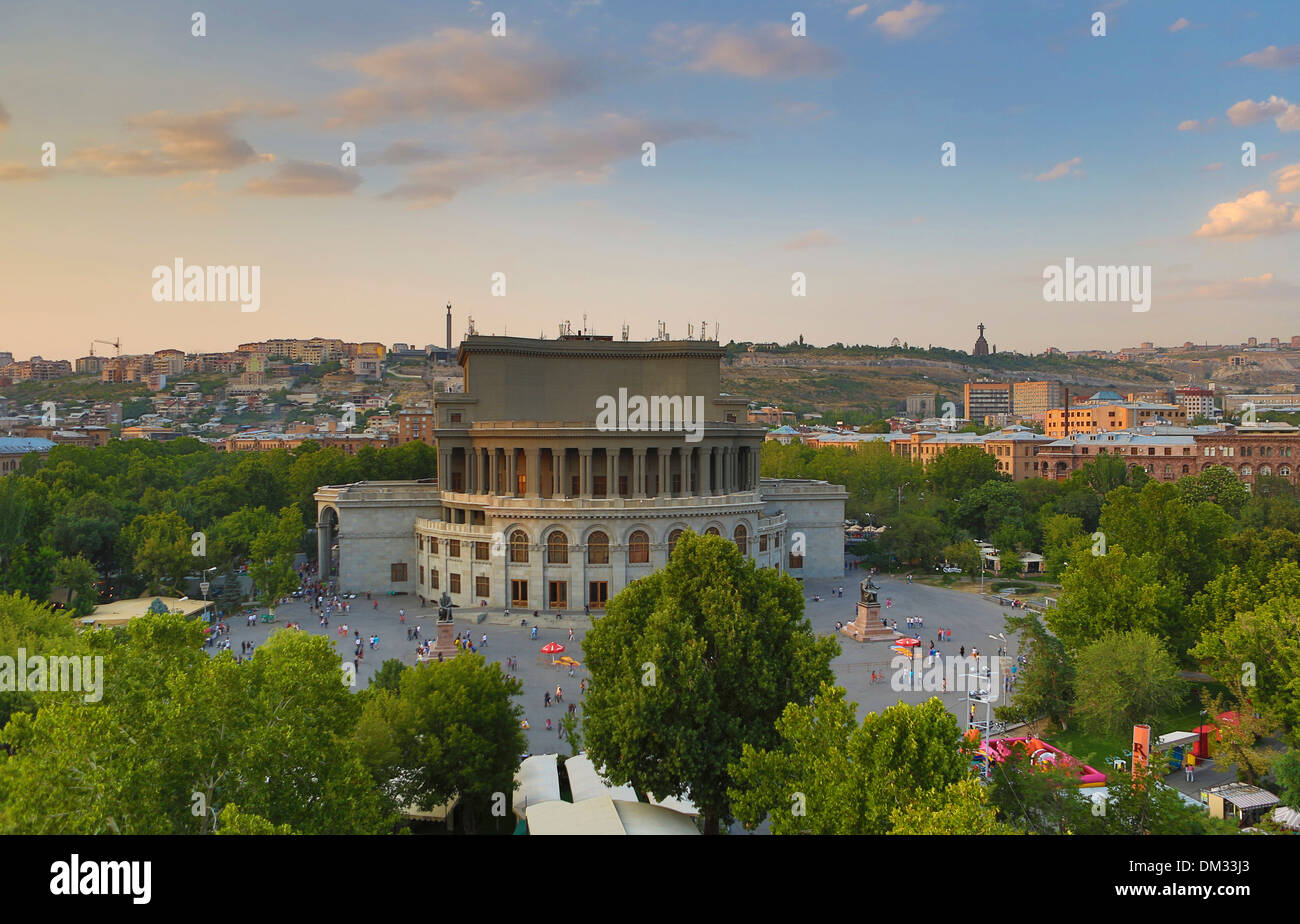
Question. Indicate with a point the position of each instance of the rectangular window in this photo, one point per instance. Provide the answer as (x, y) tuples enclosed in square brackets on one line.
[(558, 595), (455, 582), (433, 544), (398, 572), (622, 486), (762, 543), (481, 587), (422, 575), (597, 594), (453, 548), (796, 561), (420, 540), (433, 579), (455, 416), (518, 593), (480, 551), (598, 486)]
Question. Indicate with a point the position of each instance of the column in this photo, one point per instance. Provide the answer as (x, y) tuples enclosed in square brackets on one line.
[(444, 469), (584, 472), (611, 472), (706, 474), (533, 472), (665, 488), (512, 472), (324, 542), (687, 454), (495, 465)]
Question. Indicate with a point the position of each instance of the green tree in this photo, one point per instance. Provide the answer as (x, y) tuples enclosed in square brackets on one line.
[(956, 471), (965, 555), (959, 808), (159, 549), (177, 729), (829, 775), (1125, 678), (1115, 591), (78, 576), (29, 624), (1060, 534), (690, 664), (273, 552), (1045, 683), (1217, 485), (451, 730)]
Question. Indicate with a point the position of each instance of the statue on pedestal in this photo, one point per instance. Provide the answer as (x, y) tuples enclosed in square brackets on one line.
[(444, 607)]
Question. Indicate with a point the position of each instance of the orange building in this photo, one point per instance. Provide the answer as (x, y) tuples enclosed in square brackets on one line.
[(1104, 418)]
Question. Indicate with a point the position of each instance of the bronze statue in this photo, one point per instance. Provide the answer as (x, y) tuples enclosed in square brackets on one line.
[(444, 607)]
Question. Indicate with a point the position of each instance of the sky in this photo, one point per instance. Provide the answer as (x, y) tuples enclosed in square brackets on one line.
[(522, 154)]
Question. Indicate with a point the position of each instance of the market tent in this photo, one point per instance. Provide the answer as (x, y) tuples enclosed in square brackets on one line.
[(603, 815), (537, 781), (586, 783), (592, 816)]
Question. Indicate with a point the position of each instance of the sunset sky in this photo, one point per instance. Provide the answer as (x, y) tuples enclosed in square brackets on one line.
[(522, 155)]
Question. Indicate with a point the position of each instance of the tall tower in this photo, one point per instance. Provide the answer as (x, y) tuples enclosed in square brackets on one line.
[(448, 325), (981, 345)]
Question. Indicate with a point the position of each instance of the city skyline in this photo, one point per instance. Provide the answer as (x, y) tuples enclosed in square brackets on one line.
[(522, 154)]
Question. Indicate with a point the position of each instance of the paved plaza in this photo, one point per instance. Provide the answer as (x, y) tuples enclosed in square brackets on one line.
[(971, 618)]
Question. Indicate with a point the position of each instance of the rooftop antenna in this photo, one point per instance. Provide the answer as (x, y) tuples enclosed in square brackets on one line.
[(704, 330), (470, 332), (625, 330), (690, 331), (584, 323), (717, 328)]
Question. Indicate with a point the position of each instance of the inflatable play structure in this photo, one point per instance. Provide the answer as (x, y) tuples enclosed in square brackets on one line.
[(1040, 752)]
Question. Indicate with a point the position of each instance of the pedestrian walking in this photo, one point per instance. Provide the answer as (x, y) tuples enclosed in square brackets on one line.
[(1191, 767), (546, 700), (570, 634), (559, 693)]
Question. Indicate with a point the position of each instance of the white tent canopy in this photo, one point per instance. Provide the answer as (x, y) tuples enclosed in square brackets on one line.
[(586, 783), (537, 781)]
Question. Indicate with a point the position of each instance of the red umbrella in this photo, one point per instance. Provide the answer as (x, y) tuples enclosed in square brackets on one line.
[(909, 642), (552, 648)]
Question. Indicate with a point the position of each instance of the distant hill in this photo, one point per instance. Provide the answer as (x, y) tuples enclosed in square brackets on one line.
[(877, 380)]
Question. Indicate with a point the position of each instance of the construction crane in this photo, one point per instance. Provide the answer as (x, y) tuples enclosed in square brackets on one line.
[(115, 344)]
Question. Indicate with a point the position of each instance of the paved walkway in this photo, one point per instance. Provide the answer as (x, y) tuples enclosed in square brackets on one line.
[(971, 618)]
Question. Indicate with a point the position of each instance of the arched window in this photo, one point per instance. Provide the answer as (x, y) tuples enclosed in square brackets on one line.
[(598, 549), (638, 548), (712, 531), (1265, 470), (1186, 470), (1245, 471), (741, 537), (519, 546), (672, 540), (557, 548), (1284, 470)]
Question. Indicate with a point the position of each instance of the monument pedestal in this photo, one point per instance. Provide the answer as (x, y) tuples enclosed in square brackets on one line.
[(867, 627), (442, 644)]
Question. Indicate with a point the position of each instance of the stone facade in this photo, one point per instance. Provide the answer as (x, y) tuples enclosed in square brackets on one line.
[(542, 505)]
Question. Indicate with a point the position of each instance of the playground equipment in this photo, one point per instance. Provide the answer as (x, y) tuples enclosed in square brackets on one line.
[(1043, 754)]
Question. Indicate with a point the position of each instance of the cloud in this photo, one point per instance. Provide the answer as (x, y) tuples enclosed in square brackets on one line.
[(306, 178), (1250, 216), (1272, 58), (1247, 112), (1064, 168), (577, 155), (1265, 285), (456, 71), (857, 11), (1179, 24), (909, 20), (18, 173), (1198, 125), (1288, 178), (1210, 168), (760, 53), (183, 144), (817, 238)]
